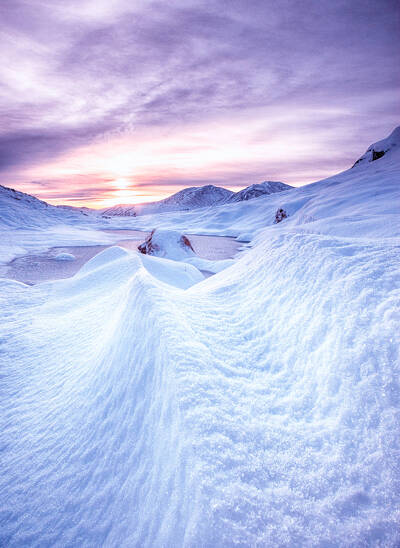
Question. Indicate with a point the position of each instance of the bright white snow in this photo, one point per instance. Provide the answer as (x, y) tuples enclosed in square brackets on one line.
[(65, 257), (258, 407)]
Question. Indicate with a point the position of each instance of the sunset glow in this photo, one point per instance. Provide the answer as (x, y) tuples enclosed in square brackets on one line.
[(101, 106)]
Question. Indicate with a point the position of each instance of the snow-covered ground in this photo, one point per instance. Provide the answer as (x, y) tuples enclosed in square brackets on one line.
[(143, 405), (211, 254)]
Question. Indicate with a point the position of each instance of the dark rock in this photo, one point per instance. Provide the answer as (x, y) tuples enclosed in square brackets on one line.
[(280, 215), (376, 154)]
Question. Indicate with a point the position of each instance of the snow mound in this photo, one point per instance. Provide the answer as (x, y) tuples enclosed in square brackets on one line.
[(257, 408), (177, 247), (167, 243), (65, 257), (102, 267)]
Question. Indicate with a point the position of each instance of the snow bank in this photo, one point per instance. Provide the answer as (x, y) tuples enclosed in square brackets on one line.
[(259, 407), (64, 257), (170, 272)]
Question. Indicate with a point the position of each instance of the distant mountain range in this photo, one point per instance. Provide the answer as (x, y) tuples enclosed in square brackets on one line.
[(196, 197)]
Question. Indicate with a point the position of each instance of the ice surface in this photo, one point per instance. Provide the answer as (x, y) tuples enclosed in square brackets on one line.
[(259, 407), (38, 267)]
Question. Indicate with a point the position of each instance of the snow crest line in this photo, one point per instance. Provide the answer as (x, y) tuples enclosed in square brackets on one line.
[(259, 407)]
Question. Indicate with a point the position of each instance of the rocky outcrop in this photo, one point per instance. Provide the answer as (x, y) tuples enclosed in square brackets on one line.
[(280, 215)]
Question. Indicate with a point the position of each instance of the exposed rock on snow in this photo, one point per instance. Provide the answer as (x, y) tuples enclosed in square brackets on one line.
[(280, 215), (167, 243), (380, 148), (173, 245)]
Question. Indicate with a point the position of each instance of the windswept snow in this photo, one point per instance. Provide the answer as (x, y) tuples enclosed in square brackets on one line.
[(65, 257), (143, 405)]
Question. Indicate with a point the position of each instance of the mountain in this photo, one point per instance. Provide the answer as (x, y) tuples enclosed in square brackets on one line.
[(260, 189), (188, 198), (361, 200), (197, 197), (21, 210)]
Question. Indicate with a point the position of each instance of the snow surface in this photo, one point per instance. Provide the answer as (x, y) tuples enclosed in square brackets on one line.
[(170, 244), (258, 407), (65, 257)]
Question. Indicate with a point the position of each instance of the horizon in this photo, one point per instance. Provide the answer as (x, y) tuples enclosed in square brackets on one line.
[(129, 103)]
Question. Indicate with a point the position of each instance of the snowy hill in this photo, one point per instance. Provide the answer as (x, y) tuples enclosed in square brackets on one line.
[(188, 198), (257, 190), (380, 148), (21, 210), (198, 197), (359, 201)]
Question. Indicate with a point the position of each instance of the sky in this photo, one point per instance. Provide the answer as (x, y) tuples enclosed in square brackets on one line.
[(121, 101)]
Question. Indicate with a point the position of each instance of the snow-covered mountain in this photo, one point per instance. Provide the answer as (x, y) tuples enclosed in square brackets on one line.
[(257, 190), (197, 197), (21, 210), (370, 187), (188, 198)]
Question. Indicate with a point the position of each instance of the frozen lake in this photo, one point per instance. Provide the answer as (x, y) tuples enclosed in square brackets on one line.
[(32, 269)]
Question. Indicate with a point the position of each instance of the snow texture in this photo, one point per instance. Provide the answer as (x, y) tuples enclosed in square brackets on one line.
[(258, 407), (65, 257)]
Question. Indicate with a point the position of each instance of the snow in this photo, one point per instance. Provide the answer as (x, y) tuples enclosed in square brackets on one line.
[(143, 405), (188, 198), (177, 247), (65, 257), (261, 189), (197, 197)]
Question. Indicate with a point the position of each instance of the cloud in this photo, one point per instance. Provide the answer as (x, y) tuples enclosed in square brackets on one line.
[(81, 72)]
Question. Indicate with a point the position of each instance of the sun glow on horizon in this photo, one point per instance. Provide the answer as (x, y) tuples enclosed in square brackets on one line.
[(144, 167)]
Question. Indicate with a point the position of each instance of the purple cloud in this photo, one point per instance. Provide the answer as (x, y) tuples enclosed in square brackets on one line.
[(76, 72)]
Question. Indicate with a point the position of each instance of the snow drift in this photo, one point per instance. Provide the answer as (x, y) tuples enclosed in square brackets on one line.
[(258, 407)]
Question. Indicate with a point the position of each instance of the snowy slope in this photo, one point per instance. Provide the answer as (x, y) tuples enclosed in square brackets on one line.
[(256, 190), (198, 197), (188, 198), (379, 149), (20, 210), (361, 201)]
